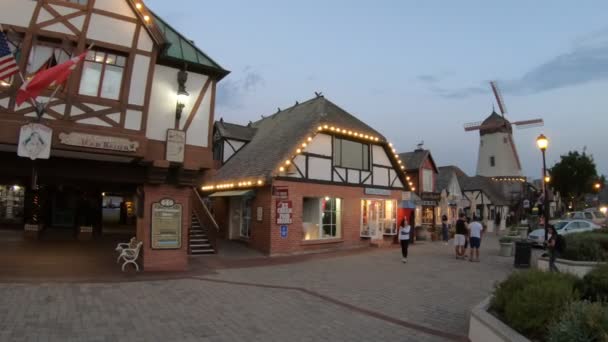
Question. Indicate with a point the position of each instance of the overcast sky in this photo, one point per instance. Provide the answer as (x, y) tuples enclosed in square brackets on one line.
[(415, 70)]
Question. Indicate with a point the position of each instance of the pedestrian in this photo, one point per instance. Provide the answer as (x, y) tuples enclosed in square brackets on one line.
[(475, 232), (445, 229), (553, 244), (466, 240), (404, 238), (460, 236)]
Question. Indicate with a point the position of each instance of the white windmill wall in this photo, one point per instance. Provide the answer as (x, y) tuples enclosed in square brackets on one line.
[(497, 145)]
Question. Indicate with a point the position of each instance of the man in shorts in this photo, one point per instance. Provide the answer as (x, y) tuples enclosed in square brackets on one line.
[(475, 231), (460, 237)]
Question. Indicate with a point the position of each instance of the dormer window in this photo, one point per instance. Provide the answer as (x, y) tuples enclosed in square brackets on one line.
[(102, 75), (351, 154)]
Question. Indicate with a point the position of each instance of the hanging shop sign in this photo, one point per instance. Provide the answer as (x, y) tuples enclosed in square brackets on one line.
[(377, 192), (35, 141), (98, 141), (176, 145), (166, 224), (280, 191), (431, 196), (284, 212)]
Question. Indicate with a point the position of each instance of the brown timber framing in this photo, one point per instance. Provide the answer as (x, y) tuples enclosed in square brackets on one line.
[(197, 104)]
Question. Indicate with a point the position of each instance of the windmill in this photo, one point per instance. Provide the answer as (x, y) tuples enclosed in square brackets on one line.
[(498, 156)]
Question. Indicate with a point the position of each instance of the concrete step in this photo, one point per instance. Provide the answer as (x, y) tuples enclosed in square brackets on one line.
[(202, 251), (200, 245), (198, 235), (202, 240)]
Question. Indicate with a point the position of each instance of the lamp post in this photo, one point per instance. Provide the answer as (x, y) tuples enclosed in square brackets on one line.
[(542, 142)]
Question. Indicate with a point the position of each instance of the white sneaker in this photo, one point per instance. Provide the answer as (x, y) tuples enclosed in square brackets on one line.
[(404, 260)]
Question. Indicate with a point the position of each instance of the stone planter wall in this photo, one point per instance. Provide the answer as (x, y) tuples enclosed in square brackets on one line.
[(578, 268), (483, 327)]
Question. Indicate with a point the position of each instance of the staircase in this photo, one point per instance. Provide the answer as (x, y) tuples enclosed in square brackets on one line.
[(198, 239)]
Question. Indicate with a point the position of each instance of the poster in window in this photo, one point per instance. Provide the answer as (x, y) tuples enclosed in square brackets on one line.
[(166, 224), (284, 212)]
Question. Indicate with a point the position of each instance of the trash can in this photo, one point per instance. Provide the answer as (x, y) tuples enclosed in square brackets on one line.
[(523, 254)]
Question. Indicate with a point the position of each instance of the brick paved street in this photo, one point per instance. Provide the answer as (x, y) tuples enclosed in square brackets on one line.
[(367, 296)]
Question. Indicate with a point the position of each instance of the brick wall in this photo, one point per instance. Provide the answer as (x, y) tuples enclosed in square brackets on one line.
[(164, 260)]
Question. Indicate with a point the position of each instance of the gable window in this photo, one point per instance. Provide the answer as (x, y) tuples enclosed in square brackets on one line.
[(321, 218), (427, 180), (47, 53), (102, 75), (351, 154), (492, 161)]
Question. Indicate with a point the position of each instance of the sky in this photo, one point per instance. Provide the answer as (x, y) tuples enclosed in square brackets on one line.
[(415, 70)]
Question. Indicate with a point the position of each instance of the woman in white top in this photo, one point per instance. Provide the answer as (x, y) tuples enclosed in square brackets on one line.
[(404, 238)]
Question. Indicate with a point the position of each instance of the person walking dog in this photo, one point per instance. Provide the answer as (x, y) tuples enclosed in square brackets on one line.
[(404, 238)]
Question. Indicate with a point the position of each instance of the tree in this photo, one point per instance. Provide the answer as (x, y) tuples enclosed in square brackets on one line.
[(574, 176)]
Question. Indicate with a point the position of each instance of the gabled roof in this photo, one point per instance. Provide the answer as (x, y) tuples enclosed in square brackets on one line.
[(234, 131), (180, 50), (480, 183), (277, 136), (415, 159), (444, 176)]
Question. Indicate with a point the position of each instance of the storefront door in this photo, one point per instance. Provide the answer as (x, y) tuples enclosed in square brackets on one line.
[(240, 218)]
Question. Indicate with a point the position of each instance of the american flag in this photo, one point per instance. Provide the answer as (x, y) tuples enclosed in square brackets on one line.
[(8, 64)]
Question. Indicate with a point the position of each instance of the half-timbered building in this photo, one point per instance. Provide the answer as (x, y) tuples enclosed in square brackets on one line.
[(305, 178), (131, 127)]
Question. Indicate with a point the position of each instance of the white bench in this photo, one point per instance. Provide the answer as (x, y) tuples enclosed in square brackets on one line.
[(129, 252)]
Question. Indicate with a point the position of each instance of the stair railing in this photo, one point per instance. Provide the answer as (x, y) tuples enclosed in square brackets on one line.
[(206, 219)]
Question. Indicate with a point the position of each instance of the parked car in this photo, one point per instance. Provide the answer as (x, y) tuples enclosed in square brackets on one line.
[(563, 227), (592, 215)]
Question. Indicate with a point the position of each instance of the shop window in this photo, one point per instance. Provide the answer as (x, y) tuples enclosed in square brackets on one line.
[(492, 161), (378, 217), (11, 204), (321, 218), (351, 154), (102, 75), (427, 216), (427, 180)]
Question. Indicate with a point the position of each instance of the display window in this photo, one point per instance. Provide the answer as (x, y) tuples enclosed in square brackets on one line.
[(11, 203), (322, 218), (378, 217)]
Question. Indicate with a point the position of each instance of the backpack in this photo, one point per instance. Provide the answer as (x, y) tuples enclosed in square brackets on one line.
[(560, 243)]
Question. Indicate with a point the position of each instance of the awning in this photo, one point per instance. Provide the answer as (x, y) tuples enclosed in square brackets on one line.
[(232, 193)]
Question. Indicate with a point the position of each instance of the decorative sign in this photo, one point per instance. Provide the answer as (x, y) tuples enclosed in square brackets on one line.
[(280, 191), (260, 213), (176, 145), (35, 141), (284, 231), (430, 196), (166, 224), (526, 204), (406, 195), (98, 141), (377, 192), (284, 212)]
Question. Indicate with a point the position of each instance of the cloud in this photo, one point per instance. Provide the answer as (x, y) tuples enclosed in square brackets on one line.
[(231, 91), (428, 78), (586, 61)]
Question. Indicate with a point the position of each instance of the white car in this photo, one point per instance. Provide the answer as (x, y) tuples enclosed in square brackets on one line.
[(563, 227), (594, 216)]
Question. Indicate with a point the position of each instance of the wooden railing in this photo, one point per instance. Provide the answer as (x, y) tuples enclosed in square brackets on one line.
[(206, 219)]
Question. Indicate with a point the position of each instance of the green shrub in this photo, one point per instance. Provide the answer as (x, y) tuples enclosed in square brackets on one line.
[(594, 286), (528, 301), (581, 322), (507, 239), (590, 246)]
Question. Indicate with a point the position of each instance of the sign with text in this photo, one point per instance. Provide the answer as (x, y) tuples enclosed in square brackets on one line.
[(35, 141), (280, 191), (377, 192), (284, 230), (166, 224), (102, 142), (176, 145), (284, 212)]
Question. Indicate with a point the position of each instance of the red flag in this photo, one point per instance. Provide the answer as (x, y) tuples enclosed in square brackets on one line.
[(45, 78)]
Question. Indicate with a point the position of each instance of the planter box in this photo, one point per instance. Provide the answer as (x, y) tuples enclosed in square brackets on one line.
[(523, 232), (85, 233), (483, 327), (578, 268), (506, 249), (32, 231)]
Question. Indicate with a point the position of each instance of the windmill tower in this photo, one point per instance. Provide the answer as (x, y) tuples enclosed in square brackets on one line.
[(498, 156)]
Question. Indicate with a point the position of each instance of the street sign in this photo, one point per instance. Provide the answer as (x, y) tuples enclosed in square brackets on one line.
[(284, 231)]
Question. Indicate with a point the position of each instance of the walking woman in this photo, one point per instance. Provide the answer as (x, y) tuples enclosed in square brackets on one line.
[(552, 245), (404, 238), (445, 229)]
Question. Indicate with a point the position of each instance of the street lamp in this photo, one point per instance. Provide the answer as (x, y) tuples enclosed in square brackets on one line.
[(542, 142), (597, 186)]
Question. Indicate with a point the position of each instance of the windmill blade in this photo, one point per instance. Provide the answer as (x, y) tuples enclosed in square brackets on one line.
[(472, 126), (498, 95), (529, 123)]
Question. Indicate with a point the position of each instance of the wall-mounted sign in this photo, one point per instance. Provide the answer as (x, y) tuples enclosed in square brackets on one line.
[(260, 213), (377, 192), (527, 204), (176, 145), (284, 230), (284, 212), (98, 141), (35, 141), (280, 191), (166, 224), (430, 196)]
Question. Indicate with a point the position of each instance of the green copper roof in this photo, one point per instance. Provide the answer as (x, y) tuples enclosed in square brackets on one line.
[(182, 49)]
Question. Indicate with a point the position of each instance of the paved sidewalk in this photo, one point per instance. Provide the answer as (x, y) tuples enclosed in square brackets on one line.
[(368, 296)]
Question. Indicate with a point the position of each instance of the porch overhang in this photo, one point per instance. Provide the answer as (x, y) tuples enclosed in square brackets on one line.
[(244, 193)]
